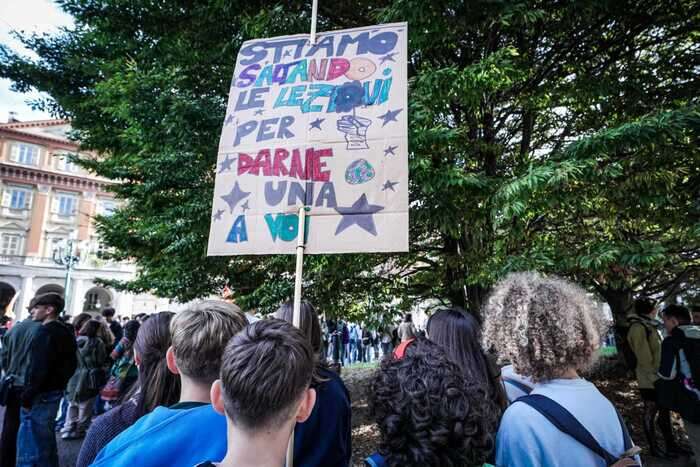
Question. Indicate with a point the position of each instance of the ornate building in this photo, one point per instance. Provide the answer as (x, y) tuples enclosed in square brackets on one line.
[(47, 203)]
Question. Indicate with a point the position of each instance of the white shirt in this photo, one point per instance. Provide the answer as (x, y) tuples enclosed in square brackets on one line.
[(527, 439)]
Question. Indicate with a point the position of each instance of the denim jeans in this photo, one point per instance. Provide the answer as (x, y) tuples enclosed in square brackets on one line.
[(36, 441)]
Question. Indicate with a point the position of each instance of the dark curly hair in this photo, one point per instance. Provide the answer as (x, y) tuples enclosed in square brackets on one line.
[(428, 414)]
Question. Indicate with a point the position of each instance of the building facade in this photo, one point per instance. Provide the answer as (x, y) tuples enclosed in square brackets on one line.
[(48, 204)]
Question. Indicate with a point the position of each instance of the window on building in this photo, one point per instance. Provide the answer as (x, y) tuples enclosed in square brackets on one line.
[(10, 244), (107, 207), (65, 205), (64, 164), (102, 251), (25, 154), (91, 301), (16, 198)]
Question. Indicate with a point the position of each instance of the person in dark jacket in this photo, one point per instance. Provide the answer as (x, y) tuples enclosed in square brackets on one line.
[(677, 355), (86, 381), (114, 326), (16, 351), (325, 437), (52, 363)]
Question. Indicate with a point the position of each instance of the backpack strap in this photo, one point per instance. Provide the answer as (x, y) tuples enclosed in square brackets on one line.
[(517, 384), (647, 328), (566, 423), (626, 438), (375, 460)]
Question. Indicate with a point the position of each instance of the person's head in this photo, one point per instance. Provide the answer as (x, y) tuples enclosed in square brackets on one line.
[(80, 320), (428, 413), (308, 322), (674, 316), (131, 329), (104, 332), (265, 379), (459, 334), (90, 328), (645, 307), (47, 306), (158, 385), (108, 313), (545, 326), (407, 318), (30, 308), (199, 335)]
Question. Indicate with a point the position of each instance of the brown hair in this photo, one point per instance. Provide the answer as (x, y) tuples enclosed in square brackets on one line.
[(80, 320), (90, 328), (157, 384), (542, 325), (264, 371), (200, 334)]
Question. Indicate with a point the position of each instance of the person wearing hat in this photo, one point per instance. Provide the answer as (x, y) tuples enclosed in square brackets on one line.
[(14, 358), (52, 362)]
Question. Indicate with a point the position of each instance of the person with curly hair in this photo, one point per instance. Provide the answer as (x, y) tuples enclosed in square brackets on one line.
[(550, 330), (428, 413)]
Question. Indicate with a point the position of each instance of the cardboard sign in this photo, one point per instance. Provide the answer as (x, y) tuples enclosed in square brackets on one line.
[(322, 126)]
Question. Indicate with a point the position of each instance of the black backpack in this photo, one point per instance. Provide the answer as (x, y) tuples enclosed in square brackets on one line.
[(673, 394)]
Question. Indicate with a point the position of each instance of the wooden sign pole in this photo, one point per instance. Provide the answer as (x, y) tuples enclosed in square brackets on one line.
[(296, 316)]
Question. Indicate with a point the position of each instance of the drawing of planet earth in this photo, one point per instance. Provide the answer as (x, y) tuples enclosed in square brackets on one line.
[(359, 171)]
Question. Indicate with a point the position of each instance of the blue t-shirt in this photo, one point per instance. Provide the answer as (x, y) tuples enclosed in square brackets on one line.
[(168, 436), (527, 439), (187, 437)]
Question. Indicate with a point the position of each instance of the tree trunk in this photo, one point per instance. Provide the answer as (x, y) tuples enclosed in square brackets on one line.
[(621, 303), (476, 294), (454, 276)]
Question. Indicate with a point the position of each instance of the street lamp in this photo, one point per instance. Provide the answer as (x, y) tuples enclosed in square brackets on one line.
[(64, 256)]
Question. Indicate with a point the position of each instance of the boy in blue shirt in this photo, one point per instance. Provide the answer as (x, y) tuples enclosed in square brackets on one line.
[(264, 390), (186, 433)]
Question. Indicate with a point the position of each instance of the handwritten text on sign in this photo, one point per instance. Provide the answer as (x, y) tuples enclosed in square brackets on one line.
[(323, 126)]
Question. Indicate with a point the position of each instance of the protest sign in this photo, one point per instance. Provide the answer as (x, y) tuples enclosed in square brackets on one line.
[(323, 126)]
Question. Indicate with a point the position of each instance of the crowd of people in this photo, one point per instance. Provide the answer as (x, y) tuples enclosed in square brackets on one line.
[(347, 343), (212, 386)]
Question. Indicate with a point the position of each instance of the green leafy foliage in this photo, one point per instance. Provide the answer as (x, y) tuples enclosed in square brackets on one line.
[(547, 135)]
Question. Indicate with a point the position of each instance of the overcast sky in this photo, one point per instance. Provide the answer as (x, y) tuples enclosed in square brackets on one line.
[(29, 16)]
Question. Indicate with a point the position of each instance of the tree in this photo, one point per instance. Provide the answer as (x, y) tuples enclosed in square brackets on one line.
[(511, 103)]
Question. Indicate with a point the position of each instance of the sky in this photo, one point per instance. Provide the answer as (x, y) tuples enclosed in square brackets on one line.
[(29, 16)]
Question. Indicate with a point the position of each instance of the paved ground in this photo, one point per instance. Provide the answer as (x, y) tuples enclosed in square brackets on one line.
[(67, 450)]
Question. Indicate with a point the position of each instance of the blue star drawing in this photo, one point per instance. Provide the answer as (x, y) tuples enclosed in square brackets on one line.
[(389, 116), (316, 123), (229, 119), (219, 213), (226, 164), (359, 213), (389, 185), (390, 150), (259, 112), (387, 58), (235, 196), (245, 206), (287, 53)]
